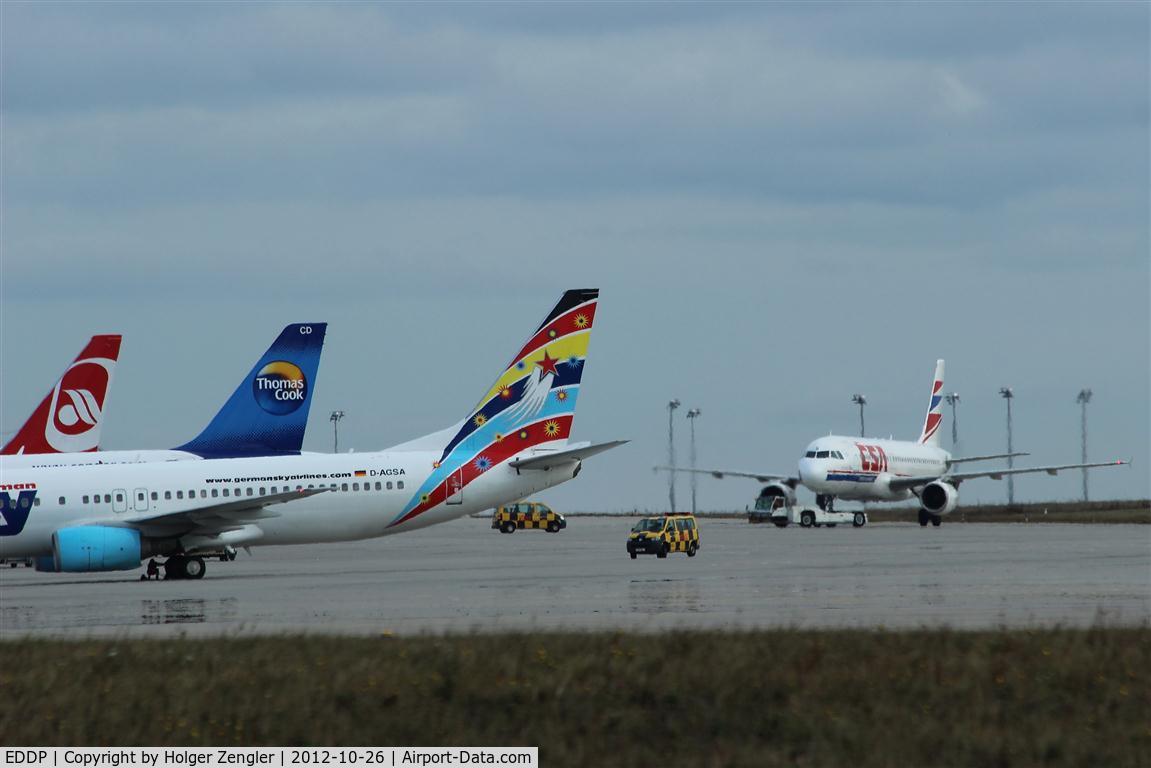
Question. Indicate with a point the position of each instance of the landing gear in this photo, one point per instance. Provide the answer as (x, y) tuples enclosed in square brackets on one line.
[(926, 517), (936, 520), (183, 567), (923, 517)]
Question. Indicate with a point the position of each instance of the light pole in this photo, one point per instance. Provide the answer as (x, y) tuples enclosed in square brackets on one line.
[(1083, 399), (952, 399), (335, 419), (671, 406), (1008, 394), (692, 415), (861, 401)]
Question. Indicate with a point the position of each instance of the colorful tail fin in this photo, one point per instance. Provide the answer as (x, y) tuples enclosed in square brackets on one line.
[(531, 403), (68, 420), (268, 412), (931, 423)]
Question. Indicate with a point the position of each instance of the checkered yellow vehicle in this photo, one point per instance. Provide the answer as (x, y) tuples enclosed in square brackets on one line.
[(661, 535), (527, 515)]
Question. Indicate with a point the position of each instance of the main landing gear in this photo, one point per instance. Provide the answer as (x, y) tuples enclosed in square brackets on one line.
[(825, 502), (926, 517), (184, 567)]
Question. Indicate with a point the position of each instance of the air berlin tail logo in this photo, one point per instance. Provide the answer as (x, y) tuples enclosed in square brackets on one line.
[(77, 404)]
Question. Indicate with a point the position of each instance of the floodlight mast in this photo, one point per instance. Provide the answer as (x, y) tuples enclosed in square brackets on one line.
[(671, 406), (1008, 394), (1083, 398), (952, 399), (861, 401), (335, 419), (692, 415)]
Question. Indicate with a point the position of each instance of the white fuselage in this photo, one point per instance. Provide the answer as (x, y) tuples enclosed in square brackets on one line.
[(357, 506), (44, 460), (859, 468)]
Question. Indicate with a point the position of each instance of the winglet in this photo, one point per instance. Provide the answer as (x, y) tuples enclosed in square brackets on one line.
[(69, 418)]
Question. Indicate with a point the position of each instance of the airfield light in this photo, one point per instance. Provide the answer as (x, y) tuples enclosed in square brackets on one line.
[(952, 399), (1083, 398), (335, 419), (671, 406), (1008, 394), (861, 401), (692, 415)]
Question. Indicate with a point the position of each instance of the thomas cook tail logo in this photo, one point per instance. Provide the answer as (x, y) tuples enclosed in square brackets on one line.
[(280, 387)]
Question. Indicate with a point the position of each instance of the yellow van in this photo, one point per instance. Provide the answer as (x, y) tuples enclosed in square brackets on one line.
[(660, 535), (527, 515)]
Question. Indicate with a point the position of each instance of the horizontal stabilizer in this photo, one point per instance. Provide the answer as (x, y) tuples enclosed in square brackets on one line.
[(556, 458)]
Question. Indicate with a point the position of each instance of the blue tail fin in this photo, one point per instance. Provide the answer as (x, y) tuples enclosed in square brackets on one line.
[(268, 412)]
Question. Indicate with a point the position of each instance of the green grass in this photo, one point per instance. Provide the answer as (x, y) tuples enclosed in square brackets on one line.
[(1123, 511), (862, 698)]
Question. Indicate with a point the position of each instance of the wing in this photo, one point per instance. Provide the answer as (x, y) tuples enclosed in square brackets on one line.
[(763, 477), (962, 459), (214, 519), (577, 453), (903, 483)]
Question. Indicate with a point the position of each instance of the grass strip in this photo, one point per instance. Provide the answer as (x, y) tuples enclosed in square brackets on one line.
[(787, 697)]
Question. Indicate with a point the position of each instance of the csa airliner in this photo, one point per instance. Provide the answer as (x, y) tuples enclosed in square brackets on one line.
[(513, 443), (864, 469), (265, 416)]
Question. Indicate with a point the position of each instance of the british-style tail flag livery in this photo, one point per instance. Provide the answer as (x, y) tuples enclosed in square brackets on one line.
[(865, 469), (265, 416), (513, 442), (69, 417)]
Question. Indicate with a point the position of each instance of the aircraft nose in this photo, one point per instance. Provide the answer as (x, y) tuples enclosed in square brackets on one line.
[(805, 470)]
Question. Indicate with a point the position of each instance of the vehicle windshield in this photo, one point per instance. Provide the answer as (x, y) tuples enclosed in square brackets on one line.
[(649, 525)]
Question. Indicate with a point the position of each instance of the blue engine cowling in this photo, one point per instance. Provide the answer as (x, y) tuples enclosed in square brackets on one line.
[(93, 548)]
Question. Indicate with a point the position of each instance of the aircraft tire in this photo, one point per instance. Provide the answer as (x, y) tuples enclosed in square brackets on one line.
[(936, 520), (923, 517), (859, 520), (174, 568), (194, 568)]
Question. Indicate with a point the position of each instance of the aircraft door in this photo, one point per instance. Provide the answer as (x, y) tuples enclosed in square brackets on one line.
[(119, 500), (140, 499), (456, 487)]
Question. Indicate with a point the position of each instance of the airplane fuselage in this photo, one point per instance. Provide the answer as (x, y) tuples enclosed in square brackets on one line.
[(370, 495), (859, 468)]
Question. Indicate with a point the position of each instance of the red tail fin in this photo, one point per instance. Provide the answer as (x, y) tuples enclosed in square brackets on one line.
[(68, 419)]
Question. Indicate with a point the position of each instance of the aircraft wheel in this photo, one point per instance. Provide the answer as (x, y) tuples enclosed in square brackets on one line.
[(807, 518), (859, 520), (174, 568), (923, 517), (936, 520), (691, 549), (194, 568)]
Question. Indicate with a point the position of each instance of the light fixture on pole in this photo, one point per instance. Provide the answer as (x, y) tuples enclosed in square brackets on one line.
[(1008, 394), (335, 419), (952, 399), (861, 401), (1083, 399), (692, 415), (671, 406)]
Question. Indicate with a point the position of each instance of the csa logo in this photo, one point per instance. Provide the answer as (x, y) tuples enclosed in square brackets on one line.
[(280, 387)]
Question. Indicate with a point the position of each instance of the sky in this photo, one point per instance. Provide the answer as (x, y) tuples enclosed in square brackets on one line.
[(782, 205)]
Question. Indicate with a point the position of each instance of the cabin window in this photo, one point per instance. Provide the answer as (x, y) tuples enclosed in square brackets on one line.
[(355, 486), (179, 494), (249, 491), (119, 497), (167, 495), (85, 499), (400, 484), (155, 496), (262, 490), (215, 493), (24, 502), (108, 498), (389, 485), (225, 492), (379, 487), (344, 487)]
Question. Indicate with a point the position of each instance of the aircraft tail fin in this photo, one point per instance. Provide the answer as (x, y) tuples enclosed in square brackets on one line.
[(930, 434), (268, 412), (69, 418), (531, 403)]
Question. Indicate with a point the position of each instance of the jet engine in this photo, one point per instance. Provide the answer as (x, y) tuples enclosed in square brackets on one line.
[(939, 498), (93, 548), (772, 490)]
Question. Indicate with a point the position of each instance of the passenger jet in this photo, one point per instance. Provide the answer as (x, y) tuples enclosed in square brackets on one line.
[(863, 469), (513, 443)]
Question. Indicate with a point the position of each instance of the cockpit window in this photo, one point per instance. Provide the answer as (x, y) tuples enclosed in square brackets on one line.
[(836, 455), (821, 454), (809, 455)]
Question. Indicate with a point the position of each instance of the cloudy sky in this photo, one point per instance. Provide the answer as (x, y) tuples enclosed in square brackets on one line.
[(782, 205)]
